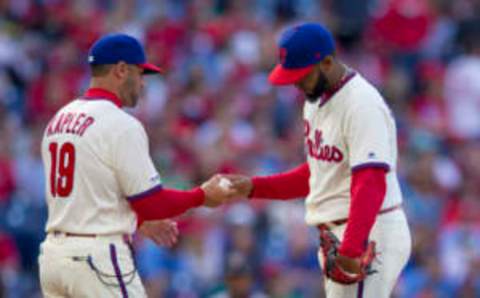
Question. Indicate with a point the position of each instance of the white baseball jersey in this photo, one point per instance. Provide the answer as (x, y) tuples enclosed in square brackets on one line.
[(352, 129), (95, 156)]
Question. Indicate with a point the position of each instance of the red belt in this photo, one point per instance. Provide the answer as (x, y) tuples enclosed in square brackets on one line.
[(126, 237), (68, 234), (339, 222)]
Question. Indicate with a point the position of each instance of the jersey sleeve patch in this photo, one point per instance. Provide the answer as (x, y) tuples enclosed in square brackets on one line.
[(145, 193), (370, 137)]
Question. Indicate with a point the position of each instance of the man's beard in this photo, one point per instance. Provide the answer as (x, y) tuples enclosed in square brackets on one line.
[(128, 93), (320, 87)]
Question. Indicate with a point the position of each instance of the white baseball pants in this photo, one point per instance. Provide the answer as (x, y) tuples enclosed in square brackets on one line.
[(392, 235), (88, 267)]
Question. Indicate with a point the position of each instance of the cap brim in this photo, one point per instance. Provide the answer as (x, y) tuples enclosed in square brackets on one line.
[(150, 68), (284, 76)]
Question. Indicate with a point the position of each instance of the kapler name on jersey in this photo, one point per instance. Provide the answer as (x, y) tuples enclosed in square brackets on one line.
[(316, 149), (72, 123)]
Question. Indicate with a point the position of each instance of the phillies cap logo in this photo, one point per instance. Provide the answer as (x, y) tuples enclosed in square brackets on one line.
[(282, 55)]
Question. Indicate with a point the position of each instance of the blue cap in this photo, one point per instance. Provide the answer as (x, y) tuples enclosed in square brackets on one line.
[(300, 48), (113, 48)]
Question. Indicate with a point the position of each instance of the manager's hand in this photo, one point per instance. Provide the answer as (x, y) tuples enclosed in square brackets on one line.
[(162, 232)]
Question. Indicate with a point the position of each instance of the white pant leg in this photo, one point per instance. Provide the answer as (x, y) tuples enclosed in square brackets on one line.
[(392, 235), (62, 276)]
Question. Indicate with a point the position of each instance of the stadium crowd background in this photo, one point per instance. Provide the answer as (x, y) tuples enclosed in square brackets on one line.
[(215, 112)]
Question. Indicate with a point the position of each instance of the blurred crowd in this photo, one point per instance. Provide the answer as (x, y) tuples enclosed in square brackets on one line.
[(214, 111)]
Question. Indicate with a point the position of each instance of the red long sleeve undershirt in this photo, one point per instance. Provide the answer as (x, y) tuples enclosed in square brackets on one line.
[(368, 188), (164, 203), (284, 186)]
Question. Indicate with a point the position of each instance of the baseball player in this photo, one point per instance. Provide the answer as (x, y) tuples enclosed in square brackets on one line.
[(349, 180), (102, 184)]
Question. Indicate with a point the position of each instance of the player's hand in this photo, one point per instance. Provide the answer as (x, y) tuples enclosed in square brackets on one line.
[(342, 269), (162, 232), (217, 191), (240, 183)]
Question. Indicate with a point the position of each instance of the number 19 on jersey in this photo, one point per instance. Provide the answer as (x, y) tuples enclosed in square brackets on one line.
[(62, 168)]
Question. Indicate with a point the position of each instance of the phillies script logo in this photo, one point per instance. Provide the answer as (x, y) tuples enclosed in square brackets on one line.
[(318, 150)]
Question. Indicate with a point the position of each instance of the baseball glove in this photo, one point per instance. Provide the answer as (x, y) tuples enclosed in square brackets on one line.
[(333, 270)]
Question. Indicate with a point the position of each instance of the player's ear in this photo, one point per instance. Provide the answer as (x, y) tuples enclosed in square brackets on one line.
[(326, 64), (120, 70)]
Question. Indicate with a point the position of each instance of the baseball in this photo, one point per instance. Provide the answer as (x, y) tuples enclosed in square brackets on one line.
[(225, 183)]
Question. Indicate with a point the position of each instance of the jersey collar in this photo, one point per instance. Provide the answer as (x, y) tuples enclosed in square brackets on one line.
[(102, 94), (330, 93)]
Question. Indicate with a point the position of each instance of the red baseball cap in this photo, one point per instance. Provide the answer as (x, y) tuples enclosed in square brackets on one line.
[(300, 48)]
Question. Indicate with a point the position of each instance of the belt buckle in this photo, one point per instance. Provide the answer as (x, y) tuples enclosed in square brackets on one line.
[(58, 234)]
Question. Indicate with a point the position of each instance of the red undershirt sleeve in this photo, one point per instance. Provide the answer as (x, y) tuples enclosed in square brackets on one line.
[(368, 188), (161, 203), (284, 186)]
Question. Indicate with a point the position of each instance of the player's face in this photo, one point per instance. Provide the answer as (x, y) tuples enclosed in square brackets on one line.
[(132, 87), (314, 84)]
